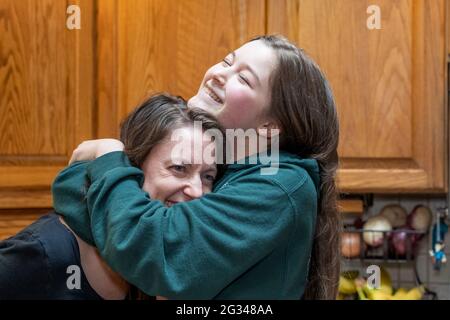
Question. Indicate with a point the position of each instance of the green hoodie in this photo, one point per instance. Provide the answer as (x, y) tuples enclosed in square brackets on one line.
[(250, 238)]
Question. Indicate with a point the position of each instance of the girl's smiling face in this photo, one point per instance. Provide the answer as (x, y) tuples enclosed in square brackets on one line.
[(237, 89), (172, 176)]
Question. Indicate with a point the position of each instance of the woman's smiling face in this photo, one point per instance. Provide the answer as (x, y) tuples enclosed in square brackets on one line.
[(172, 175), (237, 89)]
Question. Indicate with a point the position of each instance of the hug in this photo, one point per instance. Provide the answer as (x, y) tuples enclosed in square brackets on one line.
[(143, 221)]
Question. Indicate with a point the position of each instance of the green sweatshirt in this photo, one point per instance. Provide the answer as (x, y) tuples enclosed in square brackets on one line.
[(250, 238)]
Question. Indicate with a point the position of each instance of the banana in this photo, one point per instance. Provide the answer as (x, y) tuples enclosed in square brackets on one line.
[(400, 294), (346, 286), (359, 283), (384, 292), (340, 296), (378, 295), (385, 285), (403, 294), (415, 293)]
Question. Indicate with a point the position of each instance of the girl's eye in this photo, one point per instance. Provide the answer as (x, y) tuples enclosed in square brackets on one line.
[(178, 168), (226, 63), (244, 80)]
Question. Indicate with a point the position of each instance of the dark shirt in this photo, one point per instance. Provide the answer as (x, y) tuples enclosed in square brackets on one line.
[(34, 264)]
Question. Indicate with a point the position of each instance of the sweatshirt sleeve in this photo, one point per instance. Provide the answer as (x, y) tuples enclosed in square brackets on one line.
[(193, 249), (69, 191)]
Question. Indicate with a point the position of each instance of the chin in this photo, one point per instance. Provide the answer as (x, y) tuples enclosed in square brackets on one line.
[(196, 102), (191, 102)]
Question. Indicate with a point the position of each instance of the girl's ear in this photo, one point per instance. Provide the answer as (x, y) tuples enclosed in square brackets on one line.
[(269, 130)]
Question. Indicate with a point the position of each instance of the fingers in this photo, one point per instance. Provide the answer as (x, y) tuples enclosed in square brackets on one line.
[(91, 149), (83, 151), (108, 145), (72, 158)]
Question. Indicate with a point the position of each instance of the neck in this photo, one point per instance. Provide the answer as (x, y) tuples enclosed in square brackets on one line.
[(238, 148)]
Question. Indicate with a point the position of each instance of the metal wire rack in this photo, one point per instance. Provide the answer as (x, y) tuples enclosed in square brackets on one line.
[(398, 245)]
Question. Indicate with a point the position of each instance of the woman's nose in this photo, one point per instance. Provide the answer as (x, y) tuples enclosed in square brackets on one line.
[(194, 188)]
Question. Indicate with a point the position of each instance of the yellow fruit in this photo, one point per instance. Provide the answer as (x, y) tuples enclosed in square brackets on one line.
[(415, 293), (350, 274), (378, 295), (346, 286), (385, 284), (359, 283), (340, 296), (399, 294)]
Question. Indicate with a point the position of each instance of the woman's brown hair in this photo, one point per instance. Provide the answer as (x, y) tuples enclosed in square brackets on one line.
[(148, 125), (302, 102), (151, 122)]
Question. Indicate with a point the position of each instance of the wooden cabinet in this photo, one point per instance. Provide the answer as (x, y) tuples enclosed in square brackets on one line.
[(389, 85), (47, 99), (60, 86), (47, 96), (164, 45)]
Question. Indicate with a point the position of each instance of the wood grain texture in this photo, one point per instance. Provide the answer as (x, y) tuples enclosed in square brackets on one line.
[(447, 25), (107, 65), (167, 45), (351, 206), (48, 97), (23, 197), (33, 71), (389, 85), (28, 176), (12, 221)]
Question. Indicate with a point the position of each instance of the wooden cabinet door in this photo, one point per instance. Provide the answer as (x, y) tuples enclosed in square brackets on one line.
[(389, 85), (164, 45), (47, 95)]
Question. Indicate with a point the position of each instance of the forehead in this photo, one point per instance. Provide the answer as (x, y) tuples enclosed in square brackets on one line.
[(258, 56), (185, 144)]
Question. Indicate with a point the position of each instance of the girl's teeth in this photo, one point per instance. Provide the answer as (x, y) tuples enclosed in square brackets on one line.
[(213, 96)]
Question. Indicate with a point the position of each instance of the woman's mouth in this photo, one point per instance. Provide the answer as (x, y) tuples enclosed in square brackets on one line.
[(212, 95), (169, 203)]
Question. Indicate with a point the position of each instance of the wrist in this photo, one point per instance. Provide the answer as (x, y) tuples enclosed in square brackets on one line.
[(108, 146), (111, 160)]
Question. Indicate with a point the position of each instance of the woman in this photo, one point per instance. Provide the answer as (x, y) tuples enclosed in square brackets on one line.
[(255, 236), (39, 261)]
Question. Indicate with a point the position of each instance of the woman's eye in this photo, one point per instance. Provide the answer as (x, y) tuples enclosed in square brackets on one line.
[(210, 177), (178, 168)]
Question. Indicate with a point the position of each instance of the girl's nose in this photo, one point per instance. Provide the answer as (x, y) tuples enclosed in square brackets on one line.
[(219, 79)]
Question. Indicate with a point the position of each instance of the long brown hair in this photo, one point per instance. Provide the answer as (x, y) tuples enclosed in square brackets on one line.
[(303, 104)]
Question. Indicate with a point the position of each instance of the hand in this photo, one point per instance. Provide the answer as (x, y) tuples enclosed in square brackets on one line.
[(92, 149)]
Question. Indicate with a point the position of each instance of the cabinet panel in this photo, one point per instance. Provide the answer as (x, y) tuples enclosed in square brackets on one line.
[(14, 220), (47, 99), (389, 85), (165, 45)]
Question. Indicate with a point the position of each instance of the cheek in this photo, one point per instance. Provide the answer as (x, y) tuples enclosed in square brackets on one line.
[(149, 187), (239, 97), (241, 106), (155, 184), (162, 188), (206, 189)]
